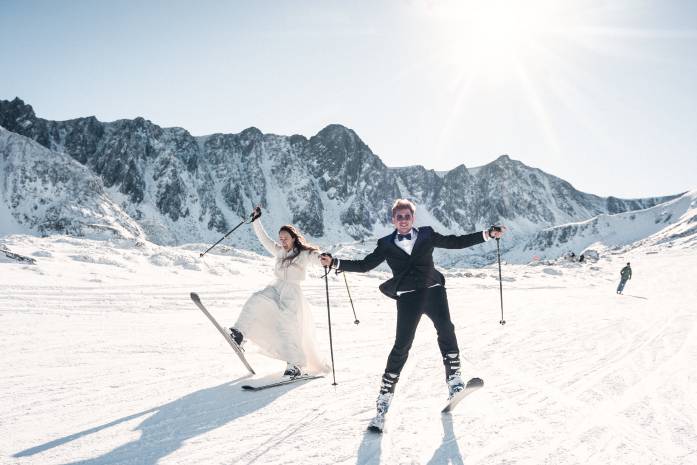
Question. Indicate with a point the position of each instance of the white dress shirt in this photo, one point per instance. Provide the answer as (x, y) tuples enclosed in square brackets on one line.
[(406, 244)]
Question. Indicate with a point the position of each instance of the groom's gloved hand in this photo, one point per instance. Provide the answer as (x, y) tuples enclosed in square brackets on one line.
[(326, 259), (495, 231)]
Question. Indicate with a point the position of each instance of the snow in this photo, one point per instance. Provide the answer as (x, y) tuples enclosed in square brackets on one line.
[(663, 222), (105, 360), (8, 223)]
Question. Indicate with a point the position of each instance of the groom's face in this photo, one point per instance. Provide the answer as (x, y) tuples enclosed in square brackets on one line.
[(403, 220)]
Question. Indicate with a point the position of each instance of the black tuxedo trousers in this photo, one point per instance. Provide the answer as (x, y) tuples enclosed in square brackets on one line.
[(433, 302)]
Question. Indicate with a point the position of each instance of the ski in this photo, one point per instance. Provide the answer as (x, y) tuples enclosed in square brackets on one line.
[(281, 382), (226, 335), (472, 385)]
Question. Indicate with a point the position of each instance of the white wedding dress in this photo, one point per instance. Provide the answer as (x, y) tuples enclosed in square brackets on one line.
[(278, 318)]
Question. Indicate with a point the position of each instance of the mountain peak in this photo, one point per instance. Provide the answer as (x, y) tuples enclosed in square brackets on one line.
[(15, 113), (252, 132), (15, 103), (334, 131)]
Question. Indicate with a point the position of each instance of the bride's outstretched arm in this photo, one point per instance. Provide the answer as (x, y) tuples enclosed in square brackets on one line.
[(269, 244)]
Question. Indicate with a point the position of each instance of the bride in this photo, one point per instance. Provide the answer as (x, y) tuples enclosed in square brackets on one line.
[(278, 318)]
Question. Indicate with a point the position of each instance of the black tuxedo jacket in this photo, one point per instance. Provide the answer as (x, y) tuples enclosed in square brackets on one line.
[(415, 271)]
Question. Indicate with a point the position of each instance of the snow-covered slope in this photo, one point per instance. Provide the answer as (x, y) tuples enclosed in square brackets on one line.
[(675, 220), (683, 230), (105, 360)]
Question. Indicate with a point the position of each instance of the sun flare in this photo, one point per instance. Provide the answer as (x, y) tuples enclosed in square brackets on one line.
[(508, 55), (499, 34)]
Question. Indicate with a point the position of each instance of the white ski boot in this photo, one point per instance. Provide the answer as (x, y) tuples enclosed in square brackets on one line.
[(377, 424)]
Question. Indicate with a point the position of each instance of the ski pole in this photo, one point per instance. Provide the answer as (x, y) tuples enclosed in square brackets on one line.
[(498, 255), (355, 321), (251, 219), (329, 320)]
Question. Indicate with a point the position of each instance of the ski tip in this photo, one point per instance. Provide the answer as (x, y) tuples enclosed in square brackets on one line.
[(475, 382), (194, 296)]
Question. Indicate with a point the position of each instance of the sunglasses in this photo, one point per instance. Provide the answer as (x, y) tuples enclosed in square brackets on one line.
[(403, 217)]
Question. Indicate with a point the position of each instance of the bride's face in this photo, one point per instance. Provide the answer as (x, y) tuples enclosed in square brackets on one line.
[(286, 240)]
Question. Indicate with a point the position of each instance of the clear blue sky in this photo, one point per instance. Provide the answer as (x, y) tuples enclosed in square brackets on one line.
[(600, 93)]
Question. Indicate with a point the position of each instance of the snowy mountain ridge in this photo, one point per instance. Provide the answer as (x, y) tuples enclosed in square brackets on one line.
[(672, 221), (164, 185)]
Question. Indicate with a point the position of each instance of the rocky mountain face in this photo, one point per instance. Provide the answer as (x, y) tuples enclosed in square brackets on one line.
[(50, 192), (177, 188)]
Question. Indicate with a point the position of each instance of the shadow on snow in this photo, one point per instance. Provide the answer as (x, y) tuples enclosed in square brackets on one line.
[(447, 453), (174, 422)]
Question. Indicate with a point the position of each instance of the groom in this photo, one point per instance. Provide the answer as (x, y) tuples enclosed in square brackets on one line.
[(419, 289)]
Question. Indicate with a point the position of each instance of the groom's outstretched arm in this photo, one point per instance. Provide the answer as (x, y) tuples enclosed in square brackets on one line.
[(459, 242), (370, 261)]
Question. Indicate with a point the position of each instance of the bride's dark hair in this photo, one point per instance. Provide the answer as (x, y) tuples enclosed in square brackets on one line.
[(299, 243)]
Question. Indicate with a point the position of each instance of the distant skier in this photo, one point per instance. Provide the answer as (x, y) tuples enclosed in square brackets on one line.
[(625, 275), (278, 318), (419, 289)]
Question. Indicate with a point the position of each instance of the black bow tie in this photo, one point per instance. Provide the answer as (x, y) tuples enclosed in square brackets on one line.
[(406, 236)]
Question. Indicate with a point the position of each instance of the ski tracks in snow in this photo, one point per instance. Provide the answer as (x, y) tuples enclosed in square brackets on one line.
[(128, 371)]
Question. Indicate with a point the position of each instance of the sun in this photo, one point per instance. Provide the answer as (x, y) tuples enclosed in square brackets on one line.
[(498, 35), (505, 56)]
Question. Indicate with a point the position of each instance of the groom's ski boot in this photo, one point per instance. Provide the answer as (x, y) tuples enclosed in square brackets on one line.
[(387, 385), (455, 384), (377, 424)]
